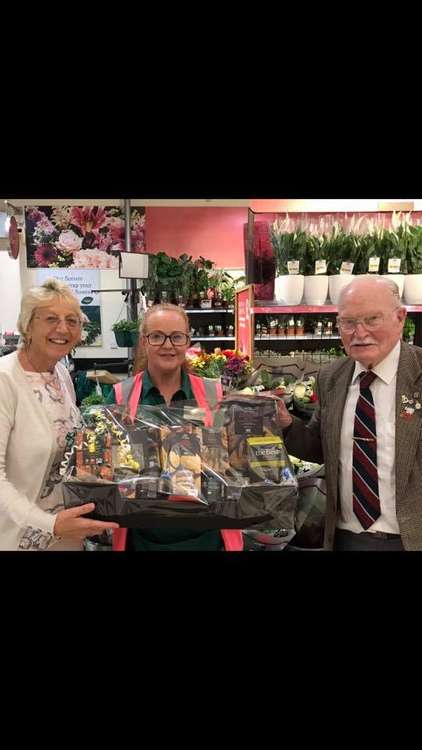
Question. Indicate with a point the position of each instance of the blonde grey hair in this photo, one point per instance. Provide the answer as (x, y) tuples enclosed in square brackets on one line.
[(42, 296), (383, 280)]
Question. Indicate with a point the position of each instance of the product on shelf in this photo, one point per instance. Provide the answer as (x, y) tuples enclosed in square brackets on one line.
[(299, 326), (291, 327)]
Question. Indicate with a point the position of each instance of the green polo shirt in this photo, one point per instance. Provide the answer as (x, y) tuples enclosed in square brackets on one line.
[(169, 540)]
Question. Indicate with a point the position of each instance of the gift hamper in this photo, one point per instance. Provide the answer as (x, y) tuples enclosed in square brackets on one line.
[(179, 467)]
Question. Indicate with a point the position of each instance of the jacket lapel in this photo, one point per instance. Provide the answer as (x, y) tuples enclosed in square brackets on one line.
[(409, 382), (337, 390)]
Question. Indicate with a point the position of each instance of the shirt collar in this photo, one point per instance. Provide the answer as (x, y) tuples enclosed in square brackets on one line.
[(386, 370), (148, 385)]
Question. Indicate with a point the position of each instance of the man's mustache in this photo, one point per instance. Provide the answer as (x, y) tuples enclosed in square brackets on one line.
[(354, 342)]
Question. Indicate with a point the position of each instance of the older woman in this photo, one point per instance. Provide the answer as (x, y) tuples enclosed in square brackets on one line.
[(162, 377), (37, 410)]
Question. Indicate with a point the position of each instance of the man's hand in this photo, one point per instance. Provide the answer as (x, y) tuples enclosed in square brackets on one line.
[(69, 524)]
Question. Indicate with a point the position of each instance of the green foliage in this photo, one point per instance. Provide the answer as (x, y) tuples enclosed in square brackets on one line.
[(409, 329), (92, 399), (92, 329), (342, 247), (316, 249), (396, 246), (414, 250), (127, 326), (178, 276), (287, 246)]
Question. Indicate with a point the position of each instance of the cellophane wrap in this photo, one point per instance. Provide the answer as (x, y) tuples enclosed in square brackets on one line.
[(165, 468)]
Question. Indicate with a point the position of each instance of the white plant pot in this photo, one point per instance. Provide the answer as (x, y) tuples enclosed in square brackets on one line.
[(288, 289), (398, 278), (336, 284), (316, 289), (413, 289)]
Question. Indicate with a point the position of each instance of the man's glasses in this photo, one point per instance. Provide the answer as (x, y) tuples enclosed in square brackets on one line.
[(53, 320), (371, 322), (158, 338)]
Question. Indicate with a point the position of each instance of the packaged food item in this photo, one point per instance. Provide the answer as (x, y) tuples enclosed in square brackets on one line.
[(265, 458)]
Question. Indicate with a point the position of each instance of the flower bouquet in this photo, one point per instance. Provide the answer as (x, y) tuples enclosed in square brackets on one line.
[(233, 367), (305, 398), (275, 380)]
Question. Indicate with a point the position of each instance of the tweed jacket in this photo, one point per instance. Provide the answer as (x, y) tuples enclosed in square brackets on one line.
[(319, 441)]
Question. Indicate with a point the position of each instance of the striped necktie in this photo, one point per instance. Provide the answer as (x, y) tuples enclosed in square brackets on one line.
[(366, 502)]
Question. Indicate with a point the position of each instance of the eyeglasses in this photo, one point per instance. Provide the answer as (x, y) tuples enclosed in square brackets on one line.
[(371, 322), (158, 338), (53, 320)]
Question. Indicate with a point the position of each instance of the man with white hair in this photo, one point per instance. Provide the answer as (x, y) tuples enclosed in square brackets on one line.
[(367, 426)]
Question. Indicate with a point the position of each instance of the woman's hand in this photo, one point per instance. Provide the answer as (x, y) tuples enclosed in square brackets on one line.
[(69, 524)]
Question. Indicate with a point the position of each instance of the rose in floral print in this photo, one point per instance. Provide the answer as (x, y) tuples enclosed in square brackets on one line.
[(68, 241), (94, 258)]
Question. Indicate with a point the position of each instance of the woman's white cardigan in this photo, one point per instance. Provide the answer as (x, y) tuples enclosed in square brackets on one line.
[(27, 450)]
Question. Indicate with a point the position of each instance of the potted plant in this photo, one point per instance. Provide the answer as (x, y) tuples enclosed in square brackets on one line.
[(315, 269), (413, 279), (344, 254), (186, 279), (228, 289), (126, 332), (397, 242), (201, 281), (289, 251)]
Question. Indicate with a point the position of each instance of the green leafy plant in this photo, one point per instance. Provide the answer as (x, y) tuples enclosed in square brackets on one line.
[(177, 276), (342, 247), (414, 250), (186, 278), (396, 246), (316, 249), (92, 329), (409, 329), (287, 246), (125, 326), (92, 399), (225, 285), (201, 278)]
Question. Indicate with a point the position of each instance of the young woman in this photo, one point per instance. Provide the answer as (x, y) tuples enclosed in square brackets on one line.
[(161, 376)]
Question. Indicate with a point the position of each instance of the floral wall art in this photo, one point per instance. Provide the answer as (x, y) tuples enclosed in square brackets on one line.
[(80, 236)]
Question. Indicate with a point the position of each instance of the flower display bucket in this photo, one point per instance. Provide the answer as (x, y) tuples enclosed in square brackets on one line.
[(336, 284), (413, 289), (316, 289), (288, 289), (398, 278)]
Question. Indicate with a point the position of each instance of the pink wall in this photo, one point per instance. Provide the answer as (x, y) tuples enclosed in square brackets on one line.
[(214, 233)]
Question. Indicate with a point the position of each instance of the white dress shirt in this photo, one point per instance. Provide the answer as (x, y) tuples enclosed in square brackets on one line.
[(383, 391)]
